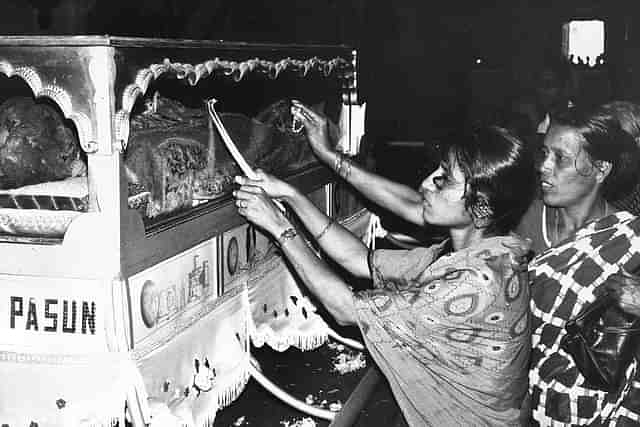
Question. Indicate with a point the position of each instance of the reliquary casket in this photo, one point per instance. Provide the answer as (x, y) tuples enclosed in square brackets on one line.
[(130, 286)]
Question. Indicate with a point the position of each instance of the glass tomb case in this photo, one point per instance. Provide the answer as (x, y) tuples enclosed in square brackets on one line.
[(154, 103), (123, 257)]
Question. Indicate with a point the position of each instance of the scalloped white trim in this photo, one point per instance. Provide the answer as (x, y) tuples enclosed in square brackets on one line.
[(60, 96), (282, 341), (234, 69)]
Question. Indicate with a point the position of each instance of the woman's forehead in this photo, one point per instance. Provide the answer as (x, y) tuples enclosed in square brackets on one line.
[(564, 138)]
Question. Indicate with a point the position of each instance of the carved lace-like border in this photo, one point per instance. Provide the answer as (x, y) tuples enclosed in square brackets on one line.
[(236, 70), (59, 96)]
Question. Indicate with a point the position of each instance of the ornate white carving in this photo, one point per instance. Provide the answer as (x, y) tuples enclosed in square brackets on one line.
[(212, 67), (129, 96), (122, 127), (143, 78), (30, 76), (59, 95), (101, 71)]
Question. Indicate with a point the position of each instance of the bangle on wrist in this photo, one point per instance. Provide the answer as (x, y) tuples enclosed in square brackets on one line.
[(288, 234), (324, 230), (346, 169), (342, 165)]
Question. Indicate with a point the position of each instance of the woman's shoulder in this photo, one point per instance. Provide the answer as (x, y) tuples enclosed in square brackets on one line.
[(417, 253), (510, 243), (407, 263), (611, 239), (498, 253), (487, 267), (530, 226), (621, 219)]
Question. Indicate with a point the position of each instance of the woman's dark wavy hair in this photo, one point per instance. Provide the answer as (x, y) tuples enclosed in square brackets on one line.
[(628, 114), (605, 140), (500, 174)]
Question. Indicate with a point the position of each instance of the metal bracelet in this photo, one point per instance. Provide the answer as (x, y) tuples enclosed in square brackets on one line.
[(288, 234), (345, 170)]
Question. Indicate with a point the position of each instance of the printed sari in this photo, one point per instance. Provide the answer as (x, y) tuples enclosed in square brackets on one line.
[(451, 332)]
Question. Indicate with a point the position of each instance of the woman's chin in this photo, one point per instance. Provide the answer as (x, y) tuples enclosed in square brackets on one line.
[(551, 200)]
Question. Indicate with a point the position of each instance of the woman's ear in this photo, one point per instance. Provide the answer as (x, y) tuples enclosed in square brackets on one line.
[(603, 169)]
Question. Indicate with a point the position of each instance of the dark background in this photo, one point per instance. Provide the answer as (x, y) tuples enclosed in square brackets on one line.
[(416, 58)]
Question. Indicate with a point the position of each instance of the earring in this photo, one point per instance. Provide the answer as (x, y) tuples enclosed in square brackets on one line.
[(481, 212)]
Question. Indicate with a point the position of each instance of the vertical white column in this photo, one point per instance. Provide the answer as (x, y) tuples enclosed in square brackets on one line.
[(107, 186)]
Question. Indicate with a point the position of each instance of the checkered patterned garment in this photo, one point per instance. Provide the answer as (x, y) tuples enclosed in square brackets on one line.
[(563, 280)]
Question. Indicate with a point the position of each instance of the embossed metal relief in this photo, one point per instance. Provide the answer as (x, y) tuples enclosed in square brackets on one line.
[(59, 95), (236, 70), (174, 292), (159, 302)]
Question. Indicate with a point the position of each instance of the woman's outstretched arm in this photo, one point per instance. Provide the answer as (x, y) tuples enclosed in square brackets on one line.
[(400, 199), (326, 285), (335, 240)]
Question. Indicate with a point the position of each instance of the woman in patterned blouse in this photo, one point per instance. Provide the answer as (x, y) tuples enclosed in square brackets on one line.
[(584, 243), (448, 325)]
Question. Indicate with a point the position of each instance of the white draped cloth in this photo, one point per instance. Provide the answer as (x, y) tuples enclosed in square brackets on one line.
[(67, 390), (193, 365)]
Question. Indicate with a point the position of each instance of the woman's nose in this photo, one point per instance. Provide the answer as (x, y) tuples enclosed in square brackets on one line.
[(428, 183), (423, 185), (545, 164)]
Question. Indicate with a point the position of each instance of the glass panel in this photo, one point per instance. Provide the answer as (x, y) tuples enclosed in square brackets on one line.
[(43, 170), (175, 158)]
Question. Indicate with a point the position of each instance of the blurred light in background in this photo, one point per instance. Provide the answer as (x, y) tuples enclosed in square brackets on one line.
[(583, 39)]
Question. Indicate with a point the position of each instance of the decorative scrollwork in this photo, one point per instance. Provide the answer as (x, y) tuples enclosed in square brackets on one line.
[(236, 70), (30, 76), (58, 95)]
